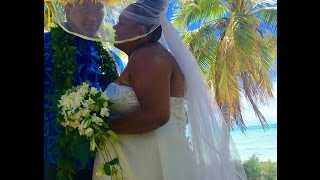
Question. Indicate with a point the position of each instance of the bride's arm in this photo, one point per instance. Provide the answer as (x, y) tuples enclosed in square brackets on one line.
[(150, 80)]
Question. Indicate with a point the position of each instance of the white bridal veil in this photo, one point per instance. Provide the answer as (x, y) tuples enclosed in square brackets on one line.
[(214, 153)]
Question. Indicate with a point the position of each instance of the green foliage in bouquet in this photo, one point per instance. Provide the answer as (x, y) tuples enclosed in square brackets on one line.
[(82, 110)]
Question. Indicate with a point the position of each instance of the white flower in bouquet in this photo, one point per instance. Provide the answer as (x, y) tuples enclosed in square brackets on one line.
[(93, 91), (93, 144), (105, 104), (88, 132), (104, 112), (83, 110), (97, 120), (104, 96)]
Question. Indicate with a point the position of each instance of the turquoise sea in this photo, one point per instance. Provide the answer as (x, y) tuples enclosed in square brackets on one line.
[(258, 141)]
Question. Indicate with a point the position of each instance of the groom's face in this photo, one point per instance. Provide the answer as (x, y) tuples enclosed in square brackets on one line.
[(85, 18)]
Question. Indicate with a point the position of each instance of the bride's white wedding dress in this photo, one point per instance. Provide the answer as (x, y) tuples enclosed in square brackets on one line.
[(162, 154)]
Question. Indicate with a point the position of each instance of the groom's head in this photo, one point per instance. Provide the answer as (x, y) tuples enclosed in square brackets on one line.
[(84, 16)]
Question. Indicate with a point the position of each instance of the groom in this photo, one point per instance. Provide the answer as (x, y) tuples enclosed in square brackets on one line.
[(70, 60)]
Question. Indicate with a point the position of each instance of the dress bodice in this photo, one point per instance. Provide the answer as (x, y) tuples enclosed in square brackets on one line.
[(125, 100)]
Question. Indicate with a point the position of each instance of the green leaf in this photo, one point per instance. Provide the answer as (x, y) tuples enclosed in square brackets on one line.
[(100, 101), (105, 125), (107, 169), (114, 161), (98, 94), (87, 122), (96, 108)]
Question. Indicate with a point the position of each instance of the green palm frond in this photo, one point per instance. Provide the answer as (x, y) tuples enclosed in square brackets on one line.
[(210, 10), (255, 77), (266, 56), (257, 58), (225, 72), (243, 50), (202, 43), (185, 15), (250, 91), (243, 31), (226, 86), (271, 42), (197, 11), (235, 5), (270, 16)]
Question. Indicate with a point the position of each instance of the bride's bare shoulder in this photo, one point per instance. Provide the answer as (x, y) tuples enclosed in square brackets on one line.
[(154, 56)]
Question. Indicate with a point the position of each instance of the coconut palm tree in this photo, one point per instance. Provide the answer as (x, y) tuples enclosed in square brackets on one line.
[(235, 46)]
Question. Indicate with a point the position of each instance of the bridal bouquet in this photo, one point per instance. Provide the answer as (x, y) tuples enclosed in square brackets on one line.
[(81, 113)]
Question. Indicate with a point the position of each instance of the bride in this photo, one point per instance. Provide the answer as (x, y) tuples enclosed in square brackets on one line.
[(159, 94), (148, 96)]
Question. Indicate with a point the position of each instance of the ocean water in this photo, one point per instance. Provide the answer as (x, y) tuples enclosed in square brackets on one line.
[(256, 140)]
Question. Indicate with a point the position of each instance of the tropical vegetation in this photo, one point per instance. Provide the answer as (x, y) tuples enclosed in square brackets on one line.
[(260, 170), (235, 44)]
